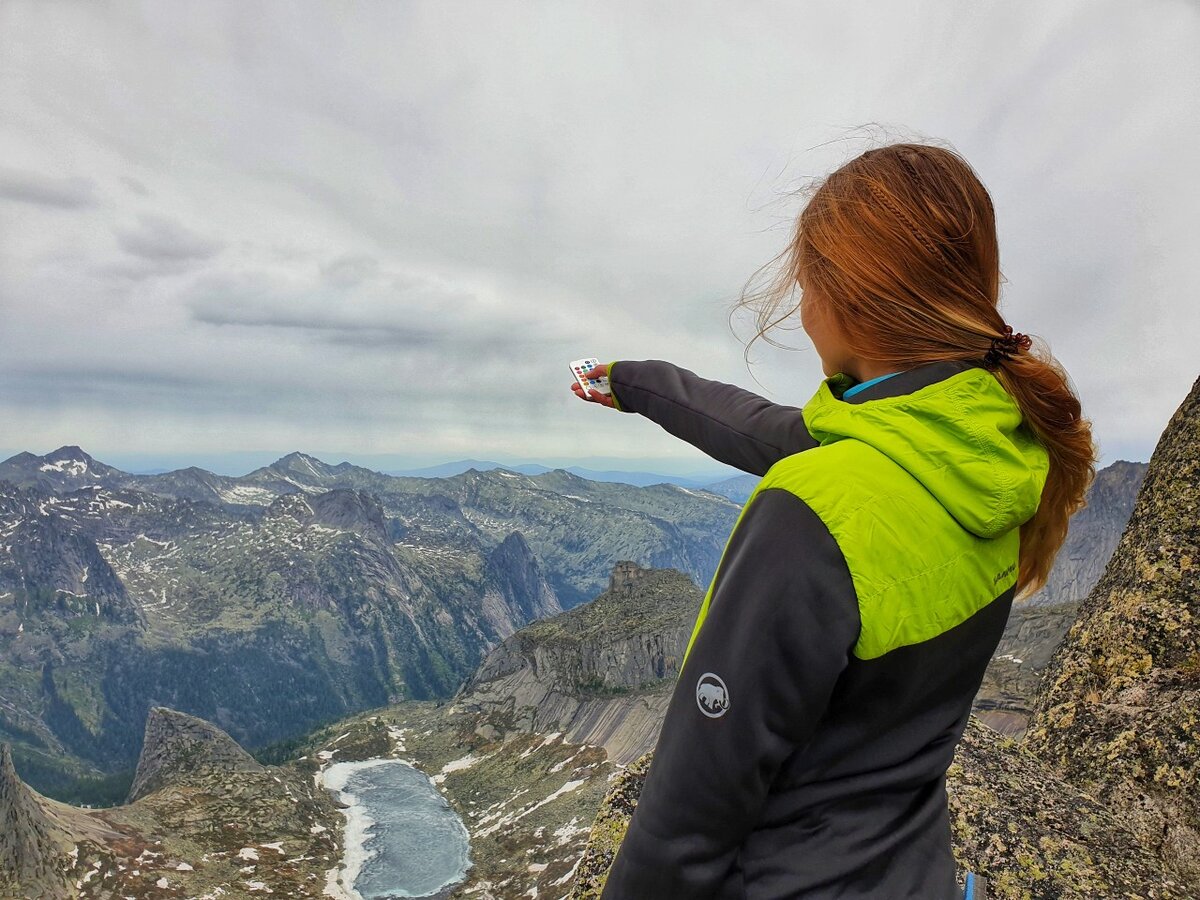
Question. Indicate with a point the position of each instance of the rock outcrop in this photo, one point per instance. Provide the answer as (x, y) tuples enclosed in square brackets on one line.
[(517, 590), (601, 673), (350, 510), (1118, 713), (177, 746)]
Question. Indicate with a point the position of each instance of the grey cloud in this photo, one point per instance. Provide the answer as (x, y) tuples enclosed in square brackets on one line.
[(257, 314), (135, 185), (348, 271), (396, 310), (141, 269), (160, 238), (517, 339), (40, 387), (41, 190), (608, 199), (488, 340), (135, 392)]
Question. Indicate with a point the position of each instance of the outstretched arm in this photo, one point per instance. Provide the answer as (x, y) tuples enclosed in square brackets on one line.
[(732, 425)]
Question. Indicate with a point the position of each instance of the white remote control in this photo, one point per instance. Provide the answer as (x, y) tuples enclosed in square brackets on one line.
[(580, 366)]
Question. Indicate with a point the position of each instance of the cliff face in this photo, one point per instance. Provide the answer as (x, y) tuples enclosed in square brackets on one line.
[(1093, 535), (517, 590), (601, 673), (31, 844), (1118, 713)]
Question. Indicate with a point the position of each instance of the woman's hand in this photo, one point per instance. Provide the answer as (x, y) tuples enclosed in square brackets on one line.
[(593, 395)]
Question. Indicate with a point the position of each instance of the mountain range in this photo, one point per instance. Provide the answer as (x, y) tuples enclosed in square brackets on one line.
[(291, 596)]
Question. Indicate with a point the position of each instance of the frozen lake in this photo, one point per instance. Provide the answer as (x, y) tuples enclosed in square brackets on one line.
[(402, 837)]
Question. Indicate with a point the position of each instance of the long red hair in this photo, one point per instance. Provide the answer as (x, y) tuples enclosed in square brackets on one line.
[(899, 247)]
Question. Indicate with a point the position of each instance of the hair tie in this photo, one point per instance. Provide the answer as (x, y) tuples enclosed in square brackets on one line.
[(1006, 345)]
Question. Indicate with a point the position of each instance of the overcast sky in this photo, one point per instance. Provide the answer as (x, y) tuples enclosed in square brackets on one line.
[(379, 232)]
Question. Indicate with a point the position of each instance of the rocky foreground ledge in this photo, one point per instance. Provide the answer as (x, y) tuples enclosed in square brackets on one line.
[(1036, 836), (1119, 712)]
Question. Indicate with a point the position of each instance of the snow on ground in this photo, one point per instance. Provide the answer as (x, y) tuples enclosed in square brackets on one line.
[(565, 832), (570, 874), (506, 820), (464, 762), (397, 736), (562, 762), (547, 740), (67, 466), (248, 495), (334, 888), (315, 527), (448, 552)]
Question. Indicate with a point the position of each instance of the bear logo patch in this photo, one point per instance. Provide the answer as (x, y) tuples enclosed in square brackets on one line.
[(711, 695)]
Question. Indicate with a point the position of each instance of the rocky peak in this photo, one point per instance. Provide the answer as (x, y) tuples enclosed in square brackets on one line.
[(601, 672), (303, 466), (23, 458), (68, 452), (177, 745), (350, 510), (66, 469), (626, 576), (30, 843), (513, 564), (1117, 714), (48, 553)]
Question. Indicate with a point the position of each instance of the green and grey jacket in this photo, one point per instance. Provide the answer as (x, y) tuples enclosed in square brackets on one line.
[(842, 639)]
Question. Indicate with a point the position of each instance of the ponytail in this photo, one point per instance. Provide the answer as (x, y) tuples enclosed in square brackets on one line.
[(1053, 413)]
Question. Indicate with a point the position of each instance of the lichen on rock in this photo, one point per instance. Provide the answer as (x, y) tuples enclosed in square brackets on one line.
[(1117, 712)]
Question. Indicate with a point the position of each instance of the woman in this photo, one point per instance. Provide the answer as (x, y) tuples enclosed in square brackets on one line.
[(868, 578)]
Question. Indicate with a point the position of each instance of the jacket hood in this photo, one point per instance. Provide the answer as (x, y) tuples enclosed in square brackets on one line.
[(961, 437)]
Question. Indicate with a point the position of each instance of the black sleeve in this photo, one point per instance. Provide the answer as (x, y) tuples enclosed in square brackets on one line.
[(732, 425), (781, 624)]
